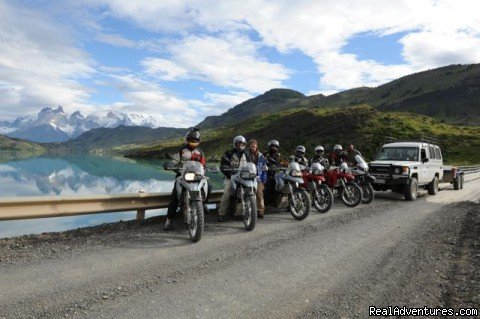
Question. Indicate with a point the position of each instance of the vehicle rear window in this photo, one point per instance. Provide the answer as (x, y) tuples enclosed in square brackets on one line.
[(398, 154), (438, 153)]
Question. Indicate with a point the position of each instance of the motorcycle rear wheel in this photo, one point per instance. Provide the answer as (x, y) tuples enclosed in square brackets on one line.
[(196, 223), (304, 203), (351, 194), (323, 198), (250, 215)]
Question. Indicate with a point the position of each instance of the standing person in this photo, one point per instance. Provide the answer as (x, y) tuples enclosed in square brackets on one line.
[(231, 159), (351, 154), (188, 152), (261, 162)]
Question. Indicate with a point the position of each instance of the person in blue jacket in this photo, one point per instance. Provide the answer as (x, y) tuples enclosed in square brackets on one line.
[(261, 162)]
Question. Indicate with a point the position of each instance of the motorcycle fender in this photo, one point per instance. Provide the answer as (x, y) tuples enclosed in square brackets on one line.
[(195, 195), (249, 191), (193, 187)]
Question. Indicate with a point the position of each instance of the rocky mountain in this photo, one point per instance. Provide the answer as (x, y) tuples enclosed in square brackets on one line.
[(54, 125)]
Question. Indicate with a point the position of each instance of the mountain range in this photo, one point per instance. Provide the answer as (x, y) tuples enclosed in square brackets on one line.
[(54, 125)]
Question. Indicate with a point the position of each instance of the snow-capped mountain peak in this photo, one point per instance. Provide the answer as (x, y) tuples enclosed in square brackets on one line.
[(69, 126)]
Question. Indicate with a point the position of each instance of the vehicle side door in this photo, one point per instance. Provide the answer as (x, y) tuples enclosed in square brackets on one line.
[(423, 170)]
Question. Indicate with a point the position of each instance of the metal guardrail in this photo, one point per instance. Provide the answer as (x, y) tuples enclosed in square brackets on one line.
[(470, 169), (54, 206)]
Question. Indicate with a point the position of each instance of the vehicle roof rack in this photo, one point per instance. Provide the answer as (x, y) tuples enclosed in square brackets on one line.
[(423, 140)]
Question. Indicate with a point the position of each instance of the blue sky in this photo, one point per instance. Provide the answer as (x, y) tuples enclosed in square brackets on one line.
[(180, 61)]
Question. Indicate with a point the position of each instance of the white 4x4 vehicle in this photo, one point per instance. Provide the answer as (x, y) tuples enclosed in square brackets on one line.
[(403, 167)]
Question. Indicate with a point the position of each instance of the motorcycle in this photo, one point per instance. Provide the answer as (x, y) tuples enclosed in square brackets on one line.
[(364, 180), (287, 185), (192, 189), (314, 183), (343, 183), (244, 193)]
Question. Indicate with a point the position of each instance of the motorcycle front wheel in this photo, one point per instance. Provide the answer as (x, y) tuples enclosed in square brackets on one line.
[(323, 198), (351, 194), (368, 193), (250, 213), (303, 205), (196, 221)]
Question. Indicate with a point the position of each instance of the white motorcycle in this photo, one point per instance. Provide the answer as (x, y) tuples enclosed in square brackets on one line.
[(244, 193), (192, 189)]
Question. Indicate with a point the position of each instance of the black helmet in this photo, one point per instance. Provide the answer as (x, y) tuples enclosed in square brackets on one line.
[(273, 143), (239, 142), (193, 137)]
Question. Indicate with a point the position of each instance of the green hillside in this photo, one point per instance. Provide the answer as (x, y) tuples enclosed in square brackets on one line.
[(17, 145), (450, 94), (118, 138), (361, 125)]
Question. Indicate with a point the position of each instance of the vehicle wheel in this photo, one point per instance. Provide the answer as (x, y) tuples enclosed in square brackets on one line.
[(368, 193), (410, 191), (351, 194), (433, 186), (250, 214), (456, 182), (196, 222), (323, 198), (302, 209)]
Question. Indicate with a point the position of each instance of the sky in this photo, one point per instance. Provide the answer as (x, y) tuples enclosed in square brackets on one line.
[(180, 61)]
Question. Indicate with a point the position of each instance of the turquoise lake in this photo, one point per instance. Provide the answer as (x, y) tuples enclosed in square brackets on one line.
[(79, 175)]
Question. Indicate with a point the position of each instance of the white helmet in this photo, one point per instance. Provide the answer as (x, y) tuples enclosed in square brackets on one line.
[(238, 141), (338, 147), (319, 148), (301, 149), (273, 143)]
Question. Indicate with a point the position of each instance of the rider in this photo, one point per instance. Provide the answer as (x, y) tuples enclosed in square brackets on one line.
[(231, 159), (261, 162), (318, 157), (300, 155), (338, 156), (274, 160), (188, 152)]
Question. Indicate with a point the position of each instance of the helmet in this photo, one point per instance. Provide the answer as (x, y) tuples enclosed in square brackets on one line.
[(193, 137), (300, 150), (319, 149), (273, 143), (239, 142), (338, 147)]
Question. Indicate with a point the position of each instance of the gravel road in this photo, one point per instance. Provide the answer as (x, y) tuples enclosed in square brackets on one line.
[(334, 265)]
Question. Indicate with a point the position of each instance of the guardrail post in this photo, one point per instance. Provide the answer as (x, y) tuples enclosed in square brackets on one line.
[(141, 214)]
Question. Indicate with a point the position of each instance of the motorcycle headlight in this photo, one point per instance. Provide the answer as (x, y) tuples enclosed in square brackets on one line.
[(189, 177), (296, 174), (247, 175)]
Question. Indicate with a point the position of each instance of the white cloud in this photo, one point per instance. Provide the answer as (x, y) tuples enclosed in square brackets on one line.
[(145, 97), (439, 32), (39, 64), (230, 60)]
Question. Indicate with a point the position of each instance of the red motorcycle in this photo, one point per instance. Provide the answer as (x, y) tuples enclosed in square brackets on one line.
[(314, 183), (341, 181)]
